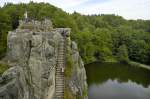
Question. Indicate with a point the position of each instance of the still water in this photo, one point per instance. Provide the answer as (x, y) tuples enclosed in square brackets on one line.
[(117, 81)]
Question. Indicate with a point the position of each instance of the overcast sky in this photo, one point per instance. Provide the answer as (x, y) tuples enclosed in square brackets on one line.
[(129, 9)]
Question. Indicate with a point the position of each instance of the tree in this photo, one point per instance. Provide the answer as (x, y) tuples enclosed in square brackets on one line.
[(99, 37), (123, 54)]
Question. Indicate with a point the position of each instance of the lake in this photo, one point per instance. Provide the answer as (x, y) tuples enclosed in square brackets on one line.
[(117, 81)]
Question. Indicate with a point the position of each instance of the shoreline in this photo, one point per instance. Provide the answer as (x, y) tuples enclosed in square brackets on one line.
[(132, 63)]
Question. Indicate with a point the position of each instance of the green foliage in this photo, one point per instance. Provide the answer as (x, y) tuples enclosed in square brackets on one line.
[(98, 36), (68, 94), (139, 50), (69, 65), (3, 67), (123, 54)]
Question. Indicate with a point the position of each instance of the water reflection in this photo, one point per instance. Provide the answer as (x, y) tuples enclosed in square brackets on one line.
[(117, 81)]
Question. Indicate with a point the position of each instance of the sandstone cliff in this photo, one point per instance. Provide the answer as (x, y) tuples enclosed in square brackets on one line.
[(32, 54)]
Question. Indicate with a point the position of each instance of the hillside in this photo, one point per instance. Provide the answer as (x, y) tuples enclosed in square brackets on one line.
[(99, 37)]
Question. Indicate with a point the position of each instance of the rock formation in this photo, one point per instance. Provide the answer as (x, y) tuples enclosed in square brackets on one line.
[(32, 53)]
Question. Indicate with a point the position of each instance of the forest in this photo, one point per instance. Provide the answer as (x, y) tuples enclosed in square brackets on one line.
[(103, 37)]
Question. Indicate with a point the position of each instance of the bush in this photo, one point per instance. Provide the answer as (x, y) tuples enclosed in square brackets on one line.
[(3, 68), (69, 66)]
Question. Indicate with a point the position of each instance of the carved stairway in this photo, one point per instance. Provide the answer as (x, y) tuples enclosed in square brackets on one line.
[(59, 79)]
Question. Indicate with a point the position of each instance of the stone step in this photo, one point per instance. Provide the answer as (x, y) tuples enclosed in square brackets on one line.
[(60, 58), (60, 90), (58, 76), (59, 93), (59, 84), (60, 87), (62, 61), (59, 97), (61, 55), (60, 81), (61, 52), (59, 66), (59, 71), (62, 47)]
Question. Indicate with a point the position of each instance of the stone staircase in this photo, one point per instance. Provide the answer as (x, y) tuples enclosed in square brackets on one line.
[(59, 79)]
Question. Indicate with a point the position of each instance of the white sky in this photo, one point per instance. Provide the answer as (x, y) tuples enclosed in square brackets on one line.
[(129, 9)]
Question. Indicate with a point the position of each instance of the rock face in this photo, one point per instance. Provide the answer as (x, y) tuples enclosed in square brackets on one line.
[(33, 51), (77, 82)]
